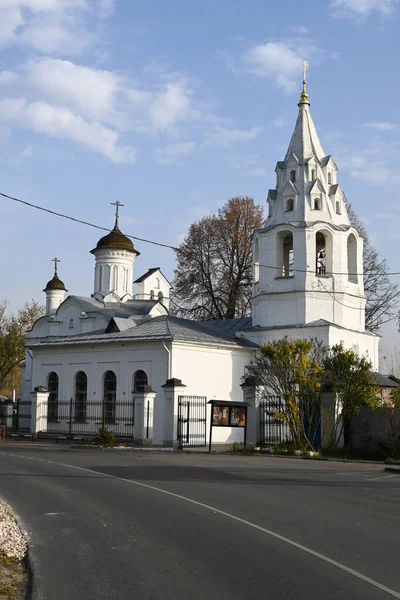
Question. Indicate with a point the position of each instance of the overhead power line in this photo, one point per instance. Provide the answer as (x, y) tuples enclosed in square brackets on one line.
[(312, 271), (133, 237), (57, 214)]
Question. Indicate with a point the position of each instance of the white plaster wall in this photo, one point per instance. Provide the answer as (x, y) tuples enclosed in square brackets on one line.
[(215, 373), (124, 359), (367, 343)]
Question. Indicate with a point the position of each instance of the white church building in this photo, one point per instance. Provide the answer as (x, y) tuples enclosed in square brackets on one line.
[(122, 361)]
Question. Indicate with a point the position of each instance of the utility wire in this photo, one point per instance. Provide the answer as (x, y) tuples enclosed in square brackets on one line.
[(330, 272), (57, 214)]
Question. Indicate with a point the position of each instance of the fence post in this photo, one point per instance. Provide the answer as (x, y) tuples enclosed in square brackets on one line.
[(172, 389), (250, 396), (70, 418)]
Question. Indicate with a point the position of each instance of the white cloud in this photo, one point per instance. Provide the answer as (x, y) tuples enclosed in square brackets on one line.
[(226, 137), (357, 9), (277, 61), (52, 25), (381, 126), (257, 172), (8, 77), (171, 155), (299, 29), (278, 123), (170, 106), (27, 152), (64, 124), (90, 91)]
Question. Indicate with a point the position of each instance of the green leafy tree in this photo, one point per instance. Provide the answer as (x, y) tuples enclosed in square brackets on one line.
[(12, 342), (291, 370), (350, 378), (213, 277)]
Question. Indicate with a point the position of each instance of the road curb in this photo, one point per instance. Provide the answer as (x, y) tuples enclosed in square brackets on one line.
[(393, 470)]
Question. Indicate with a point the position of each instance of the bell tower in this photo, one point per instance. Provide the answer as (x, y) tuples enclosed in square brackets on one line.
[(308, 258)]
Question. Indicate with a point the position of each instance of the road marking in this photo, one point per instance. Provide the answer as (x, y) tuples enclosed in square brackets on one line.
[(383, 477), (277, 536)]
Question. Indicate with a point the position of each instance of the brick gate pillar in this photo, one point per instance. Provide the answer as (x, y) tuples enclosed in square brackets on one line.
[(39, 407), (144, 416), (172, 389), (250, 396)]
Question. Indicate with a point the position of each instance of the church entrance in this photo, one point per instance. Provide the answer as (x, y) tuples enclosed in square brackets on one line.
[(192, 421)]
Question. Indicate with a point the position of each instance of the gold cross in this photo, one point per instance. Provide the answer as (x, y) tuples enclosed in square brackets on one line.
[(117, 204), (305, 66), (55, 260)]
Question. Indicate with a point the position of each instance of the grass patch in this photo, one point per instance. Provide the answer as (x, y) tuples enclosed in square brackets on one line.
[(12, 578)]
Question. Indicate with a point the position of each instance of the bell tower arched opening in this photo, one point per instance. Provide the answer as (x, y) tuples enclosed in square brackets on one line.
[(352, 258), (284, 254), (323, 253)]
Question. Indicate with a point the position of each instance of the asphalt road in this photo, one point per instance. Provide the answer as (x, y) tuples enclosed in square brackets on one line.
[(123, 525)]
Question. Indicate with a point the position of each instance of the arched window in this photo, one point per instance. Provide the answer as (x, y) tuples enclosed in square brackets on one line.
[(101, 278), (352, 258), (317, 204), (152, 295), (139, 381), (338, 211), (256, 262), (285, 255), (289, 205), (109, 398), (329, 178), (52, 388), (71, 323), (80, 396), (312, 174), (293, 175), (320, 253), (160, 297), (107, 277), (323, 253)]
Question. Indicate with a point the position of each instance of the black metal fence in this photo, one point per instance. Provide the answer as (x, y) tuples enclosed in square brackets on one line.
[(85, 417), (379, 427), (273, 430), (192, 418)]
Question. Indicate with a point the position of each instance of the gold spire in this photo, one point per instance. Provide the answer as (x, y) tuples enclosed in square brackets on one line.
[(304, 95)]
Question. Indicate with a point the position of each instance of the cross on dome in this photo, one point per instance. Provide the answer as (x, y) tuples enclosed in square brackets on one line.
[(55, 260), (117, 204)]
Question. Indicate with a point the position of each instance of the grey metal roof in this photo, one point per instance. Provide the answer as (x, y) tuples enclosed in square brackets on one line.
[(116, 309), (147, 274), (333, 189), (385, 380), (227, 326), (316, 323), (325, 160), (162, 328)]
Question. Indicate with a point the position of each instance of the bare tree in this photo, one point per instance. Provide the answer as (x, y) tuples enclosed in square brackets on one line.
[(381, 293), (213, 278)]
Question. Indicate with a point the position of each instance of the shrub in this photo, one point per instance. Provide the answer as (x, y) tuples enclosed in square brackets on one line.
[(105, 438)]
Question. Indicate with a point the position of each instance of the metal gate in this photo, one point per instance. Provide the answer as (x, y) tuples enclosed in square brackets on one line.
[(192, 421), (272, 429)]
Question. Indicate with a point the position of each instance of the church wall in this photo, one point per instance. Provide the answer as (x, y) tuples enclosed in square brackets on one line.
[(215, 373), (123, 359)]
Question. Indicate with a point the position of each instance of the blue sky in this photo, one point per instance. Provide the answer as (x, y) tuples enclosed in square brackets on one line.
[(174, 107)]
